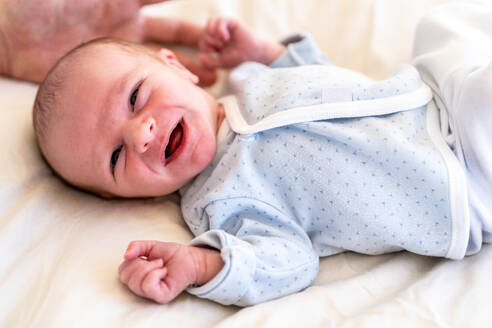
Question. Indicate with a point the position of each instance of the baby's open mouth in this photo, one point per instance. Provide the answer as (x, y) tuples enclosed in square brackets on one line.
[(174, 140)]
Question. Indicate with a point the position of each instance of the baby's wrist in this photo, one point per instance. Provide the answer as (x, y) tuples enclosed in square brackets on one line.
[(207, 262), (272, 51)]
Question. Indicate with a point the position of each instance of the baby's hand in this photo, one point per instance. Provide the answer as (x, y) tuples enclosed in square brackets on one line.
[(157, 270), (161, 271), (226, 43)]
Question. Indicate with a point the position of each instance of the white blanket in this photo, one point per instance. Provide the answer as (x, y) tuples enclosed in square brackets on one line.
[(61, 248)]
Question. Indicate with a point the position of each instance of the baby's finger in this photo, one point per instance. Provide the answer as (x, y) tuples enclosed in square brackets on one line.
[(205, 47), (210, 61), (154, 287), (128, 268), (210, 27), (222, 27), (124, 265), (139, 248), (213, 32), (212, 41), (138, 276)]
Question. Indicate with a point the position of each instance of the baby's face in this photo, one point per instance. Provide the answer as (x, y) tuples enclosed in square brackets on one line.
[(131, 125)]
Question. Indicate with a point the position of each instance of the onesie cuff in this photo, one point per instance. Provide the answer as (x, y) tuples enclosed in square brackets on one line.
[(301, 50), (232, 282)]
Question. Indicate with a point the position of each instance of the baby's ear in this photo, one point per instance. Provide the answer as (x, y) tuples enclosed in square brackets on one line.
[(170, 58)]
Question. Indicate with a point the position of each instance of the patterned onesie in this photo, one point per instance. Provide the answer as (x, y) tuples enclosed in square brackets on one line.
[(314, 160)]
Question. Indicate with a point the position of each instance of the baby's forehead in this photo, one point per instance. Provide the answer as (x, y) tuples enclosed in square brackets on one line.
[(97, 52), (94, 66), (115, 48), (109, 60)]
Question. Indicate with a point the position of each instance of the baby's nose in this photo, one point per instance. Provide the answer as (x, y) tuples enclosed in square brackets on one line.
[(141, 133)]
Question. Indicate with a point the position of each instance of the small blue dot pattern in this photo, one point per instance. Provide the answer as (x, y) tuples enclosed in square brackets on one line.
[(275, 201)]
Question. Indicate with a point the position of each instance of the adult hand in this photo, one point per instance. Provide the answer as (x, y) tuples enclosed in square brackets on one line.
[(34, 34)]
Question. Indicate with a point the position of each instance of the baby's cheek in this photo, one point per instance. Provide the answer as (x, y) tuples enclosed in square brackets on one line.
[(203, 155)]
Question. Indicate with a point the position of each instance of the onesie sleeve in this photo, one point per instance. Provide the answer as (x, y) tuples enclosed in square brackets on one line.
[(265, 256), (301, 50)]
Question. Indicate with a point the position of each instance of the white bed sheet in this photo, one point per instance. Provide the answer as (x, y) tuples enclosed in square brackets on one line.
[(60, 248)]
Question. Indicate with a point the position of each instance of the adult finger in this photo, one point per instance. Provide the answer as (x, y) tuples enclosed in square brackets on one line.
[(149, 2), (167, 30)]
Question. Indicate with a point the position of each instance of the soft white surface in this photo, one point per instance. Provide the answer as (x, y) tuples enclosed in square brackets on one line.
[(61, 248)]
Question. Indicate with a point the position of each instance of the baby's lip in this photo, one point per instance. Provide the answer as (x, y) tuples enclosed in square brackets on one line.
[(175, 140), (164, 148)]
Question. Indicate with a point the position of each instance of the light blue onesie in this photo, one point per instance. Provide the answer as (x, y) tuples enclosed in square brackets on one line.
[(314, 160)]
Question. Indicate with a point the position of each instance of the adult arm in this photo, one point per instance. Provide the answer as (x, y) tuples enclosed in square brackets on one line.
[(34, 34)]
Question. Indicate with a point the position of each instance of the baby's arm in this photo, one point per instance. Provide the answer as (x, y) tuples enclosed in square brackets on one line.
[(161, 271), (226, 43)]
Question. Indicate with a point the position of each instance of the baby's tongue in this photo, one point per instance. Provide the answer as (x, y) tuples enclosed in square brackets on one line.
[(174, 140)]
